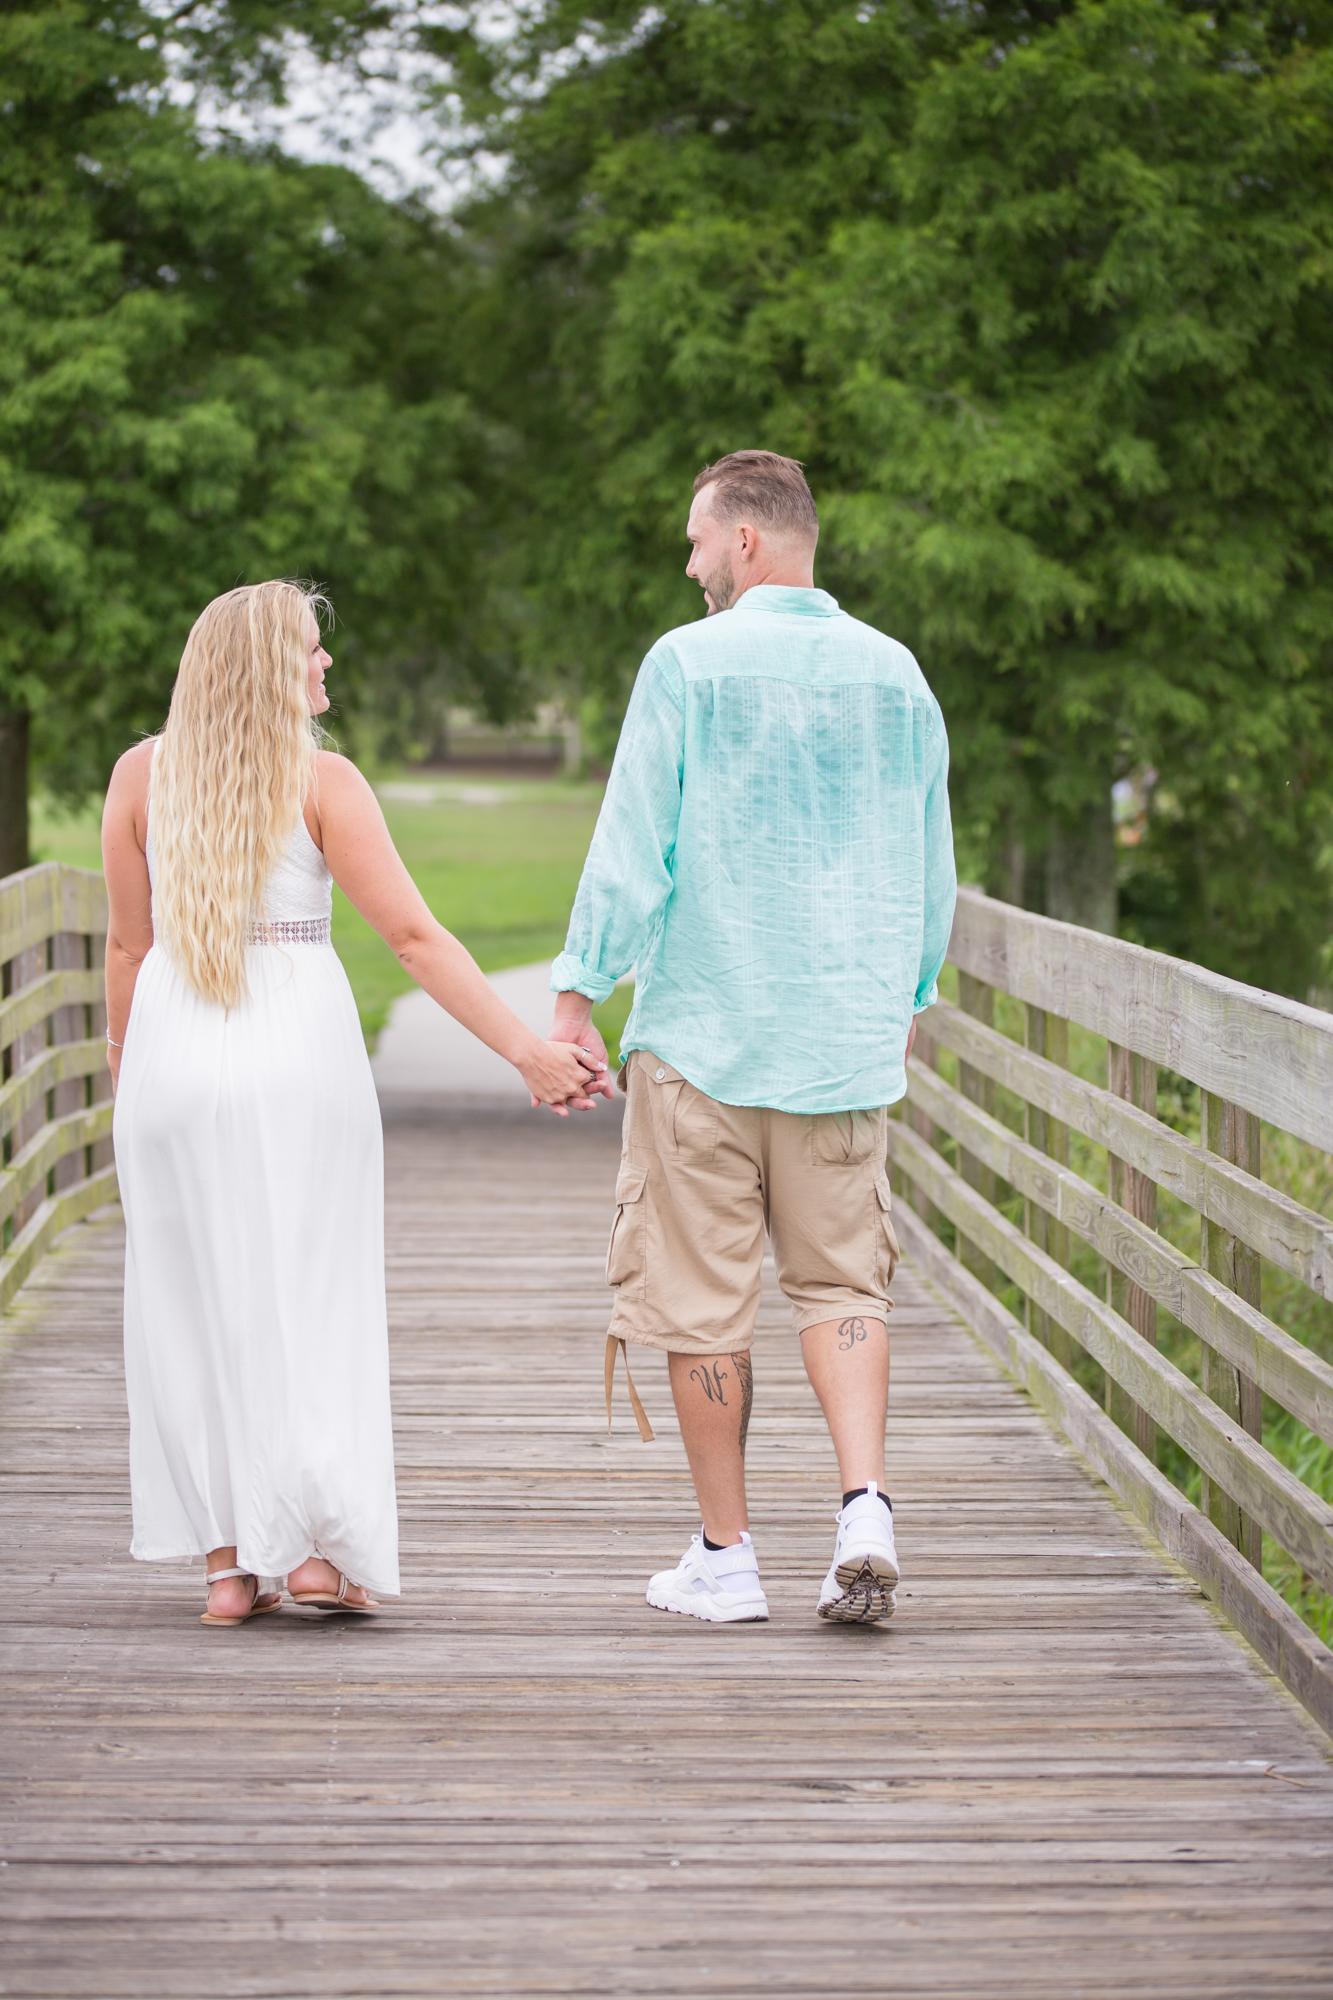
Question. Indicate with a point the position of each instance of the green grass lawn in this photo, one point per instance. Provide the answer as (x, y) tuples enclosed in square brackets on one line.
[(497, 862), (73, 838)]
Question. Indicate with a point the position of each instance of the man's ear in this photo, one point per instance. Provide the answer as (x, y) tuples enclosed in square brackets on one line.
[(749, 541)]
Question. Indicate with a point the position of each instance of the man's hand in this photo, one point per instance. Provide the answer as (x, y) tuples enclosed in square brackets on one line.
[(558, 1074), (573, 1023), (911, 1037)]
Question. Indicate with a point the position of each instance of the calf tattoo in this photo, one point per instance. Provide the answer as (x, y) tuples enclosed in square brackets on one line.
[(745, 1376), (710, 1380), (849, 1332)]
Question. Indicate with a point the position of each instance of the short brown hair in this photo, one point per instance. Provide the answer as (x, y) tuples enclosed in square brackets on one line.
[(764, 487)]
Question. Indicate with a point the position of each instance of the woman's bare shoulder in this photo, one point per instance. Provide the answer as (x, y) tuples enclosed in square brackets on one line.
[(339, 781), (130, 775)]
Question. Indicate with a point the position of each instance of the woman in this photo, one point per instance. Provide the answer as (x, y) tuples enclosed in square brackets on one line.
[(247, 1131)]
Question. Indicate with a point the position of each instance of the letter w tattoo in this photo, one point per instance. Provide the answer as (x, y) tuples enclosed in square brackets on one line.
[(710, 1380)]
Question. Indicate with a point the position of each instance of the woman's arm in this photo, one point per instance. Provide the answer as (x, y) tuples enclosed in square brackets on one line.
[(130, 922), (368, 869)]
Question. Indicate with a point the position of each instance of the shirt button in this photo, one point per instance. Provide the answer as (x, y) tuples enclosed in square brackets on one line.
[(658, 1074)]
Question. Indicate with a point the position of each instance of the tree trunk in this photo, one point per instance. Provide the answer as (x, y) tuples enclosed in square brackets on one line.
[(13, 789), (1017, 864), (1080, 869)]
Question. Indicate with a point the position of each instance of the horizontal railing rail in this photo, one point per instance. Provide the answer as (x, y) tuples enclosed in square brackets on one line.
[(1020, 1211), (55, 1089)]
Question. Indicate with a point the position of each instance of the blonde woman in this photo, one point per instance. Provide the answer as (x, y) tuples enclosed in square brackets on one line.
[(247, 1131)]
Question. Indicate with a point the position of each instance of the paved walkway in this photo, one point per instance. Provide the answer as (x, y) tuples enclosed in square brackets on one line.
[(423, 1053), (1055, 1773)]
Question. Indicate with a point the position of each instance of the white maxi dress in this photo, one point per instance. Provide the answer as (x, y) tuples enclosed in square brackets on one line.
[(250, 1157)]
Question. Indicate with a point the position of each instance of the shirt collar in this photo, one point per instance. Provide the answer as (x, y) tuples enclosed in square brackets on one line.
[(787, 597)]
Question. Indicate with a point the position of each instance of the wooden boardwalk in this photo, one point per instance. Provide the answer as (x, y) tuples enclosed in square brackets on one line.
[(1055, 1773)]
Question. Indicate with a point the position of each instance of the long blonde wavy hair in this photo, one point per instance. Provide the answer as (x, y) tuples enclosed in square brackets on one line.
[(231, 772)]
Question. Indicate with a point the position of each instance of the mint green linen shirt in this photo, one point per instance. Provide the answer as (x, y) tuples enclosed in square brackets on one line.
[(773, 856)]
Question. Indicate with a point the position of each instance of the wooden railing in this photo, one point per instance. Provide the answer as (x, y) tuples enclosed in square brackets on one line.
[(55, 1090), (987, 1162)]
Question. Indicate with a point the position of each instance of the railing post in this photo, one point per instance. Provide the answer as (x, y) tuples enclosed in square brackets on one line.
[(19, 973), (68, 953), (976, 998), (1047, 1035), (102, 1153), (925, 1051), (1135, 1078), (1233, 1133)]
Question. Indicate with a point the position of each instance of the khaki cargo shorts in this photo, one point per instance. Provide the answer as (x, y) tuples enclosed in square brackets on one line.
[(700, 1182)]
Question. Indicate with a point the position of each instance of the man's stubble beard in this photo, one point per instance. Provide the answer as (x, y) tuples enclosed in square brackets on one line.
[(720, 587)]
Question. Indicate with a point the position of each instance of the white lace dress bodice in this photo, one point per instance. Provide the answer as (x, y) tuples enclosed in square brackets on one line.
[(298, 896)]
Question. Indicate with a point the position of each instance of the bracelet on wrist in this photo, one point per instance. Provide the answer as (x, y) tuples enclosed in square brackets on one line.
[(115, 1045)]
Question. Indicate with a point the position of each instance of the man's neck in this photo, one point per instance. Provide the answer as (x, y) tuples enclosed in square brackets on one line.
[(789, 576)]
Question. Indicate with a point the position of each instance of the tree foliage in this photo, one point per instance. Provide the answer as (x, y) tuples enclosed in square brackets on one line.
[(1042, 299), (216, 365), (1040, 293)]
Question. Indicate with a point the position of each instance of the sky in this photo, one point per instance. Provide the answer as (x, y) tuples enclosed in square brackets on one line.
[(377, 126)]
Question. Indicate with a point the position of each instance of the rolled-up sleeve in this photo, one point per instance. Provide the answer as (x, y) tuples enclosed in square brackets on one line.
[(941, 880), (627, 877)]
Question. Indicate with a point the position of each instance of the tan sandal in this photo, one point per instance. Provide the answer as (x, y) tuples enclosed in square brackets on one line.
[(258, 1605), (327, 1600)]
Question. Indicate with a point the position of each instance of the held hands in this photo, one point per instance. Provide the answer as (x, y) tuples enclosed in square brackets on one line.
[(563, 1075), (573, 1028)]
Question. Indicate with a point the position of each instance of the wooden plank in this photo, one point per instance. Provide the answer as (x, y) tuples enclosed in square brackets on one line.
[(38, 1001), (1299, 1520), (1284, 1367), (1270, 1055), (47, 898), (1281, 1639), (1047, 1038), (53, 1142), (1280, 1229), (69, 1062), (56, 1214), (524, 1783), (1234, 1134), (1134, 1078), (28, 908), (977, 1000), (926, 1053)]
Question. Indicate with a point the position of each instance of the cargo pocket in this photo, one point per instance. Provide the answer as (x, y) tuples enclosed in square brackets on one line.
[(848, 1138), (886, 1243), (684, 1118), (625, 1251)]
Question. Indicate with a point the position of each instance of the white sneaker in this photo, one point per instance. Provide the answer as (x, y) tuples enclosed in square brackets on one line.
[(858, 1589), (721, 1585)]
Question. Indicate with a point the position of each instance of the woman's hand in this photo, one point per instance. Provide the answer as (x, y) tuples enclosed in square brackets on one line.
[(573, 1023), (113, 1055), (559, 1074)]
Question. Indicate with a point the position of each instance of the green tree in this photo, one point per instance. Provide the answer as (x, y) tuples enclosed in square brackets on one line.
[(1078, 395), (1042, 300), (668, 172), (216, 365)]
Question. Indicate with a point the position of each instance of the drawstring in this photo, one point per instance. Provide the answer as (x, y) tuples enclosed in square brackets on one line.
[(640, 1414)]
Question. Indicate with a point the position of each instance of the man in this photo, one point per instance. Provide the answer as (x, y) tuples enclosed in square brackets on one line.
[(774, 857)]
